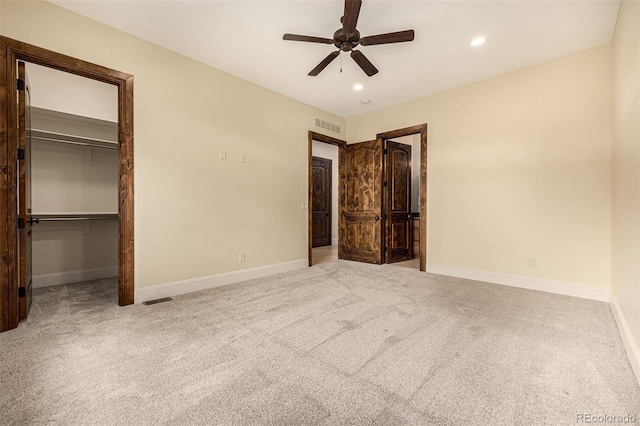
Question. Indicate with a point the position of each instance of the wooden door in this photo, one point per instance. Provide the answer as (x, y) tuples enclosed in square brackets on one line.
[(24, 193), (361, 206), (321, 202), (398, 202)]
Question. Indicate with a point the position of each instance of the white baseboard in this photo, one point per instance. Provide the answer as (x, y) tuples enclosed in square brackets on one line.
[(630, 344), (531, 283), (203, 283), (59, 278)]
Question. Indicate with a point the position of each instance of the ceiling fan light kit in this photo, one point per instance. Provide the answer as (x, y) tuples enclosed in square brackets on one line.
[(348, 37)]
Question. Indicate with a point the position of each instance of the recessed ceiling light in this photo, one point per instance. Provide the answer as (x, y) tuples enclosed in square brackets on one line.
[(478, 41), (357, 86), (365, 101)]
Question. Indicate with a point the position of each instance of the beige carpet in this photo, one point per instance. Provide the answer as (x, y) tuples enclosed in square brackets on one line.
[(339, 343)]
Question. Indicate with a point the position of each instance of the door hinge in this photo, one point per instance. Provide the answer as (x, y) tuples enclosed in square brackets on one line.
[(20, 84), (385, 183), (385, 217), (385, 249), (22, 292), (21, 223), (21, 154), (386, 151)]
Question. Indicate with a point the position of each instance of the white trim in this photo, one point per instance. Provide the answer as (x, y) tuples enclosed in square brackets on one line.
[(334, 242), (531, 283), (59, 278), (630, 344), (203, 283)]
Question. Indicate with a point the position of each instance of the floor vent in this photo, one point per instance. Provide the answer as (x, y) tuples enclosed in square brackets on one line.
[(153, 302), (326, 125)]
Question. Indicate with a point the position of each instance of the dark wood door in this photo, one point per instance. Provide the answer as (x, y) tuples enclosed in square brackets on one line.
[(398, 202), (24, 193), (321, 202), (361, 204)]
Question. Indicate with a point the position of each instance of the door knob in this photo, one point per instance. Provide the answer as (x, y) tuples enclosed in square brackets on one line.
[(377, 217), (32, 220)]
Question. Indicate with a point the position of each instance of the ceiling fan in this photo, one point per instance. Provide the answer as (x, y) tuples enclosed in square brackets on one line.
[(348, 37)]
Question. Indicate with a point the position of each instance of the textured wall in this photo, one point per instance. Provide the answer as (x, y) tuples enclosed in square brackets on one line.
[(519, 167)]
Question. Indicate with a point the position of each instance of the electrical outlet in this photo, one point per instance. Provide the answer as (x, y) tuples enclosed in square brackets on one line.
[(531, 262), (243, 158), (223, 154), (242, 257)]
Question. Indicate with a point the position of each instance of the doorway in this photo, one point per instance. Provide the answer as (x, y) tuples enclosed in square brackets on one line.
[(413, 210), (12, 288), (363, 198), (72, 167), (323, 201), (402, 201)]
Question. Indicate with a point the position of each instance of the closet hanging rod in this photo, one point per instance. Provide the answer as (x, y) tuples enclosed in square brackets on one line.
[(67, 218), (70, 139)]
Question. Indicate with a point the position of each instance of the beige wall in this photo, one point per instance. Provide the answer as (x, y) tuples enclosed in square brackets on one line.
[(625, 284), (194, 213), (519, 167)]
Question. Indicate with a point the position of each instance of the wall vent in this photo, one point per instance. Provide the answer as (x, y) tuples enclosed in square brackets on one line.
[(328, 126)]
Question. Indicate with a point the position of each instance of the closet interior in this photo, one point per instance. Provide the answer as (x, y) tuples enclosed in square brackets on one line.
[(74, 179)]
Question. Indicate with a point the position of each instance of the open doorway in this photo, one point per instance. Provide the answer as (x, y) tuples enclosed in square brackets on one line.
[(413, 235), (366, 230), (71, 179), (323, 202), (13, 283), (402, 201)]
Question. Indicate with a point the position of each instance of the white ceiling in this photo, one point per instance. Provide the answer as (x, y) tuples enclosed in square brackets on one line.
[(244, 38)]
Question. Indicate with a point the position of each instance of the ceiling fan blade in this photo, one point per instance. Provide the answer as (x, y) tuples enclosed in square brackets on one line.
[(351, 13), (295, 37), (322, 65), (363, 63), (397, 37)]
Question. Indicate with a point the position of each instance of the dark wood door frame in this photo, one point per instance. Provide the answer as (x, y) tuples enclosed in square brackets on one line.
[(10, 52), (313, 136), (422, 130)]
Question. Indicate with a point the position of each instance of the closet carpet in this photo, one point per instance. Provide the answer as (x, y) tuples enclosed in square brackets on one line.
[(339, 343)]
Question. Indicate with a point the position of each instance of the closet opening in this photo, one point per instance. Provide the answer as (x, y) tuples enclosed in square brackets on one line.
[(66, 197), (71, 186)]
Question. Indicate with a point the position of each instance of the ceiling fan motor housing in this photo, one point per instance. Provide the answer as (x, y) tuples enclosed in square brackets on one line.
[(346, 42)]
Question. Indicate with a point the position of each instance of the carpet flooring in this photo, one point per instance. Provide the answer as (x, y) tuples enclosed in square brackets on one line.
[(338, 343)]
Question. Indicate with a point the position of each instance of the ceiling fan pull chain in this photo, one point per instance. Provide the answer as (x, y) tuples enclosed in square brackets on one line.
[(340, 63)]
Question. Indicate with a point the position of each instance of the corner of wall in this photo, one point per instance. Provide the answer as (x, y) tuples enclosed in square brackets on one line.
[(630, 344)]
